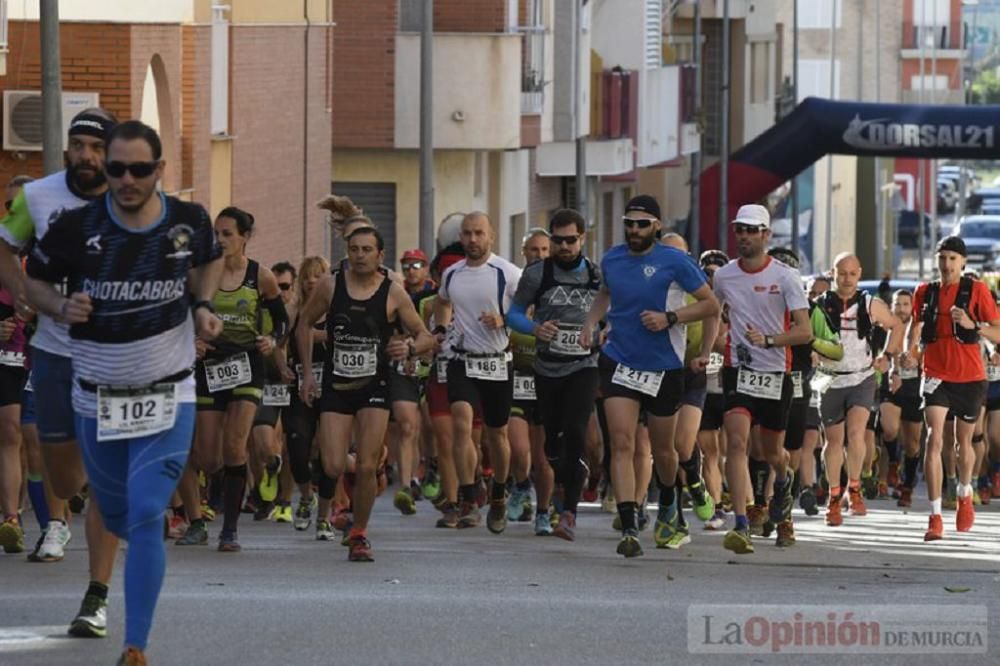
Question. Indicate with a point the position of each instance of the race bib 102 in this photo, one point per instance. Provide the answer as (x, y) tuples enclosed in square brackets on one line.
[(135, 412)]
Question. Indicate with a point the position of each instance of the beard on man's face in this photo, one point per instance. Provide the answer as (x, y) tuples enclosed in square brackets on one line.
[(86, 177)]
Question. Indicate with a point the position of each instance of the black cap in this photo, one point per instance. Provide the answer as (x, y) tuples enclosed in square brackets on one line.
[(716, 258), (785, 255), (952, 244), (644, 203)]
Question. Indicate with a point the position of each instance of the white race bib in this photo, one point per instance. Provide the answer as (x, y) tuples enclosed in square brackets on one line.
[(442, 370), (913, 373), (993, 373), (798, 390), (814, 400), (357, 360), (567, 341), (491, 368), (820, 382), (524, 387), (644, 381), (12, 359), (715, 362), (766, 385), (228, 373), (276, 395), (128, 413), (317, 374), (929, 385)]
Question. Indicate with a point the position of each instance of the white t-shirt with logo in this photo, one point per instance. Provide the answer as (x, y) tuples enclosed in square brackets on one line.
[(472, 290), (763, 299)]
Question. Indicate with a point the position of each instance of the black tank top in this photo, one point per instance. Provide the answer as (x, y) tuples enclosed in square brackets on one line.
[(358, 332)]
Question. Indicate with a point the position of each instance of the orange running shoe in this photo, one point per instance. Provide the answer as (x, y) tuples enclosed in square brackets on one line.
[(966, 515), (858, 507), (935, 528), (892, 478), (985, 495), (905, 497), (996, 484), (833, 516)]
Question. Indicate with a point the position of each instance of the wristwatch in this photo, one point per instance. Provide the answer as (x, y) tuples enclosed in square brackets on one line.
[(768, 341), (671, 318), (202, 304)]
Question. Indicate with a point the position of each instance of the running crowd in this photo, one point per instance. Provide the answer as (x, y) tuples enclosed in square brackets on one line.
[(152, 369)]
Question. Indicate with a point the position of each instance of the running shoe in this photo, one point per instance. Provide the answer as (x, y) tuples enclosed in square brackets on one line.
[(892, 478), (642, 517), (132, 657), (360, 549), (431, 485), (608, 503), (629, 545), (966, 515), (282, 513), (196, 535), (527, 509), (496, 517), (404, 502), (716, 522), (704, 505), (543, 527), (176, 527), (228, 542), (33, 555), (857, 502), (567, 526), (323, 531), (757, 516), (449, 518), (303, 514), (515, 504), (264, 509), (440, 502), (415, 491), (251, 502), (680, 538), (950, 498), (786, 534), (726, 501), (57, 535), (807, 500), (666, 525), (834, 518), (905, 497), (883, 490), (935, 528), (342, 520), (589, 493), (11, 535), (207, 512), (268, 487), (869, 486), (468, 515), (92, 620), (738, 541), (985, 495)]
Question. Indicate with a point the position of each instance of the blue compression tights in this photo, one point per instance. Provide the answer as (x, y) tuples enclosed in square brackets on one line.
[(133, 480)]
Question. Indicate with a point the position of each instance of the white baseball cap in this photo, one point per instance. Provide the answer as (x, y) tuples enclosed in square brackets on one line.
[(753, 215)]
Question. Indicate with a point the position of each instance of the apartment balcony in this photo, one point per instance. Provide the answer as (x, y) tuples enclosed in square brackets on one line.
[(604, 157), (947, 41), (478, 98)]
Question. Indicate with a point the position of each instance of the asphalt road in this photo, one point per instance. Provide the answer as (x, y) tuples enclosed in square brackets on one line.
[(454, 597)]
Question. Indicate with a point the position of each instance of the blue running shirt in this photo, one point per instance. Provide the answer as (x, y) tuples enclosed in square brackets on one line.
[(655, 281)]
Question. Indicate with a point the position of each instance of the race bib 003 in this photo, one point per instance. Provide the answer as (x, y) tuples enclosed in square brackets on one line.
[(766, 385), (492, 368), (128, 413), (644, 381), (355, 360), (524, 387), (228, 373)]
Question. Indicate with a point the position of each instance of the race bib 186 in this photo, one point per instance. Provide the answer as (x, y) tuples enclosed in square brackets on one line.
[(228, 373), (492, 368), (128, 413), (766, 385), (355, 360), (644, 381), (524, 387)]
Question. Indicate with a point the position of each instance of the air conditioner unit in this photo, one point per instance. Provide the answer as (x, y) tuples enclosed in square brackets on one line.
[(22, 116)]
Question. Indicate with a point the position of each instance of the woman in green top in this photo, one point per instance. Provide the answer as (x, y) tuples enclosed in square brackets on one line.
[(230, 376)]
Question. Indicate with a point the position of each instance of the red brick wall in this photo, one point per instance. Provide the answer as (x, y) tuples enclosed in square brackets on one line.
[(275, 175), (364, 52), (95, 57), (196, 75), (469, 15)]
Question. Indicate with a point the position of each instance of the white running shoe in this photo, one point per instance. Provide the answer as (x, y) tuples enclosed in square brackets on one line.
[(57, 535)]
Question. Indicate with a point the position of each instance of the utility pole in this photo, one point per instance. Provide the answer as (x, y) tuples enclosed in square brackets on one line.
[(932, 164), (579, 134), (694, 231), (921, 167), (795, 102), (427, 127), (829, 159), (724, 136), (880, 243), (52, 126)]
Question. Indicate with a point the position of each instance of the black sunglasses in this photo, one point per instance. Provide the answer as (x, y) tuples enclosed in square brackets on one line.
[(641, 222), (284, 286), (137, 169), (564, 240), (747, 229), (413, 266)]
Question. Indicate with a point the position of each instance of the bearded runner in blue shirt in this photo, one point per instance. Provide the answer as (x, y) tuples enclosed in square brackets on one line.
[(136, 264), (642, 364)]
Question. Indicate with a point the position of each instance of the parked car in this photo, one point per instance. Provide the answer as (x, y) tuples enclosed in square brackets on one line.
[(981, 234), (984, 201), (907, 228)]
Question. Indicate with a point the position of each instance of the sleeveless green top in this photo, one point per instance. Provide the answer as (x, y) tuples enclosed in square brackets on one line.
[(523, 347), (239, 311)]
